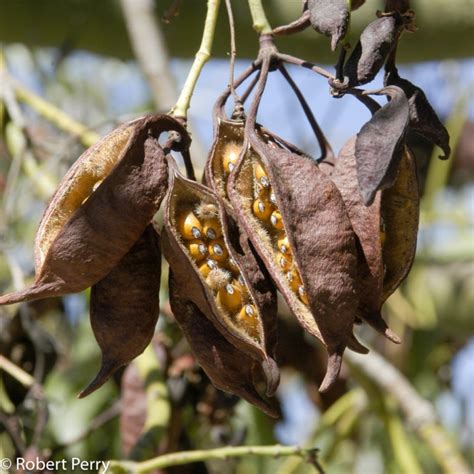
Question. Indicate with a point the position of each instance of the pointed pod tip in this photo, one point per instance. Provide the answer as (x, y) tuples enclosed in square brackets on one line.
[(332, 371), (368, 196), (356, 346), (389, 334), (107, 369)]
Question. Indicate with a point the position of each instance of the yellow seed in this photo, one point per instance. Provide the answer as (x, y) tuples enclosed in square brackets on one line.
[(189, 226), (232, 266), (247, 316), (284, 261), (231, 154), (197, 249), (294, 279), (261, 191), (272, 197), (239, 282), (212, 229), (261, 176), (276, 220), (283, 244), (218, 250), (230, 297), (262, 209), (207, 266), (302, 294)]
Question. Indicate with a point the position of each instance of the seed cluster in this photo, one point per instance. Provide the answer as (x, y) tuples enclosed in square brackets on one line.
[(201, 233), (266, 210)]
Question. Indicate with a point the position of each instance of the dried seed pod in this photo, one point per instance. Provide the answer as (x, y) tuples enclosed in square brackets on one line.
[(400, 209), (221, 303), (423, 119), (320, 237), (124, 307), (228, 367), (366, 222), (379, 144), (330, 18), (375, 44), (78, 245)]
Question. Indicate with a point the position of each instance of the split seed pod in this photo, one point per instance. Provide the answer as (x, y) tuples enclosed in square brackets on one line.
[(320, 287), (84, 232), (380, 144), (375, 44), (124, 307), (423, 119), (222, 287), (228, 367), (330, 18)]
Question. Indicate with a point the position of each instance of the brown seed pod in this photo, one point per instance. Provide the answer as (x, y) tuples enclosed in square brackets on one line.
[(400, 212), (375, 44), (223, 285), (367, 224), (79, 244), (380, 143), (124, 307), (320, 237), (330, 18), (423, 119), (228, 367)]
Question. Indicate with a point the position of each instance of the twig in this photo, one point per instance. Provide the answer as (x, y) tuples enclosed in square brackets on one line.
[(260, 22), (12, 427), (56, 116), (419, 413), (301, 62), (233, 50), (148, 45), (186, 457), (17, 372), (202, 56)]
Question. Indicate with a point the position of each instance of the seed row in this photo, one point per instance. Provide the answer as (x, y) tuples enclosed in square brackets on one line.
[(266, 210), (204, 242)]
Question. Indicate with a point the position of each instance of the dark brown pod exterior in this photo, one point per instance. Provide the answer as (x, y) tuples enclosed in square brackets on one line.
[(320, 237), (375, 44), (229, 368), (255, 335), (369, 228), (124, 307), (380, 143), (330, 18), (423, 118), (78, 247), (400, 212)]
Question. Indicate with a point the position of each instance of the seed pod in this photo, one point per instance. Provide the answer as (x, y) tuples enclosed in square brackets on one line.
[(375, 44), (225, 150), (78, 245), (228, 367), (124, 307), (216, 289), (330, 18), (379, 144), (320, 237), (366, 222), (423, 119)]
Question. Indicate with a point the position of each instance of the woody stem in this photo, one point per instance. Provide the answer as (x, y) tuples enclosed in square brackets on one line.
[(202, 56), (260, 21)]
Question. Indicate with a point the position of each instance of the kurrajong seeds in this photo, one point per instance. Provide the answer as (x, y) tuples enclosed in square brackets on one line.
[(335, 235)]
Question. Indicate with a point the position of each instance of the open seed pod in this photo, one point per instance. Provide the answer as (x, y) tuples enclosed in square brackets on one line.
[(225, 150), (218, 272), (228, 367), (124, 307), (375, 44), (86, 231), (297, 222)]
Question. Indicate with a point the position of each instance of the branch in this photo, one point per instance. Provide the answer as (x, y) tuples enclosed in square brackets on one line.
[(148, 44), (186, 457), (55, 115), (202, 56), (419, 413), (260, 21), (16, 372)]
